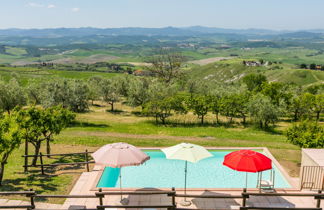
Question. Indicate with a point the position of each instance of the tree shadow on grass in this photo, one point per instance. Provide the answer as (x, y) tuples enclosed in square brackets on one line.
[(139, 114), (87, 125), (33, 180), (271, 130), (192, 124)]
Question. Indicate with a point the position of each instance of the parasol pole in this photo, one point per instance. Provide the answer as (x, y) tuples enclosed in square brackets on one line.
[(120, 184), (185, 188), (246, 180)]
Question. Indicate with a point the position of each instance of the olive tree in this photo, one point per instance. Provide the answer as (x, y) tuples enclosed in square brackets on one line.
[(10, 139), (166, 65), (139, 92), (94, 88), (263, 111), (318, 105), (254, 81), (200, 105), (72, 94), (110, 93), (11, 95)]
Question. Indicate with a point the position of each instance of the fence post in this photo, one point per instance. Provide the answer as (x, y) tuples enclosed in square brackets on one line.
[(318, 203), (100, 197), (173, 199), (32, 202), (87, 160), (244, 198), (42, 164)]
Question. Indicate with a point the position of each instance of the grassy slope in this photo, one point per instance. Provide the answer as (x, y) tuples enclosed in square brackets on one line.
[(233, 70)]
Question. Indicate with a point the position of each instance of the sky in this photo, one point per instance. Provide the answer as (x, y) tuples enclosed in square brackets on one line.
[(238, 14)]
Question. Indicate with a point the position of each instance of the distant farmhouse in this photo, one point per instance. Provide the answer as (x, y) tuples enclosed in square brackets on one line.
[(252, 63)]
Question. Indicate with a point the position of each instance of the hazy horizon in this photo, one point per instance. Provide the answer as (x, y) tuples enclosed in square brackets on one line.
[(229, 14), (169, 26)]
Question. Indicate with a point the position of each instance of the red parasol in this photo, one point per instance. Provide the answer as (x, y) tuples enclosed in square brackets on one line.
[(247, 161)]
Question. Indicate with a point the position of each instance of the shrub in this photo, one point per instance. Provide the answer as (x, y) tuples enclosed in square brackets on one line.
[(306, 134)]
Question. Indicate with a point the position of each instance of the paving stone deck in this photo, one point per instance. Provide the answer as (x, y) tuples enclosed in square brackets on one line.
[(87, 180)]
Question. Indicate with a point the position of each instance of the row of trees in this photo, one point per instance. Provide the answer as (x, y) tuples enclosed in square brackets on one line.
[(312, 66), (255, 98)]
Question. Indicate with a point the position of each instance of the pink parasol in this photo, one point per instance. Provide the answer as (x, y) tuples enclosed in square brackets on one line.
[(118, 155)]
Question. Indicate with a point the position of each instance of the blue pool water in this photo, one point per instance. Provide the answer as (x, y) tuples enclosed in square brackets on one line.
[(159, 172)]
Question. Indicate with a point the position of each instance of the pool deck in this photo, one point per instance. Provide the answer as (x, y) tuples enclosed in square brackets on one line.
[(87, 182)]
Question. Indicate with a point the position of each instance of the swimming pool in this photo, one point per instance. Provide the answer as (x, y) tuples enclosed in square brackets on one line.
[(159, 172)]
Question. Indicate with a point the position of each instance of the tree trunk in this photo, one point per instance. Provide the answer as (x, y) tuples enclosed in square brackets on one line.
[(163, 120), (2, 167), (112, 106), (37, 148), (244, 119), (202, 119), (261, 125), (48, 146), (318, 116), (26, 158), (296, 116), (217, 120)]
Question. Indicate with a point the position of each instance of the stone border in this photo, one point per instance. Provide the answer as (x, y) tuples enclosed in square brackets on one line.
[(293, 185)]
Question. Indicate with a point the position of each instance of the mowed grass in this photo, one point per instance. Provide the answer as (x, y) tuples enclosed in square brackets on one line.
[(57, 180)]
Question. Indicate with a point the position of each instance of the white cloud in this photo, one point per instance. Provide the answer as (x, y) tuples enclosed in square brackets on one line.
[(33, 4), (37, 5), (51, 6), (75, 9)]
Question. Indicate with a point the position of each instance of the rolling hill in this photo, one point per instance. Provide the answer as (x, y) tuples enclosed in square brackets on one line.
[(231, 71)]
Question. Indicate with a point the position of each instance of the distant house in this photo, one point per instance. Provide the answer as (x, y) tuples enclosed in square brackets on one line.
[(318, 67), (252, 63)]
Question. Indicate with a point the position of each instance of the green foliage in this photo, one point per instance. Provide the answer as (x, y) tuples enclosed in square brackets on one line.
[(277, 92), (11, 95), (235, 105), (263, 111), (254, 81), (94, 87), (110, 92), (10, 139), (303, 66), (163, 107), (139, 92), (306, 134), (72, 94), (200, 104), (312, 66), (160, 109), (307, 105), (38, 125)]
